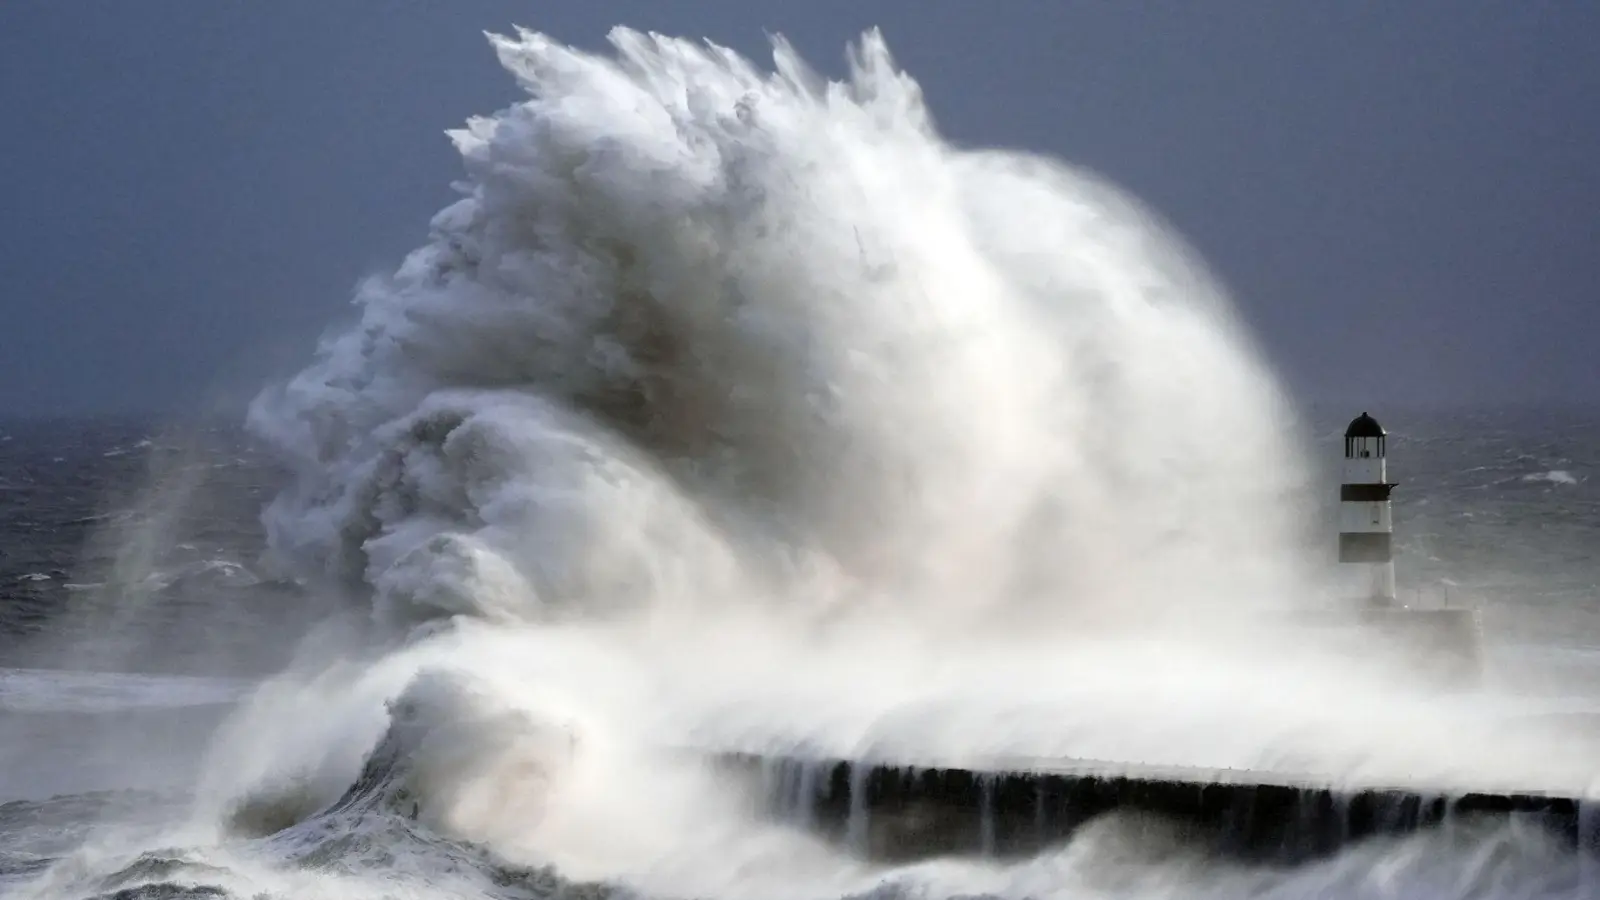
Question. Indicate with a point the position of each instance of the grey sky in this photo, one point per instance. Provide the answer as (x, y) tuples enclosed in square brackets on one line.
[(1403, 198)]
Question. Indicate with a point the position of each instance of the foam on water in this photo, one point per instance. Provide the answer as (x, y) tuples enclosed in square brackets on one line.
[(1559, 477), (733, 406)]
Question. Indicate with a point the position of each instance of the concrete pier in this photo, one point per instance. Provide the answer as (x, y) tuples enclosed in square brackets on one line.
[(889, 812)]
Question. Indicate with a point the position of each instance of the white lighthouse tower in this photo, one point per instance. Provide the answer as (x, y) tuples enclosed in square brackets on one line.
[(1366, 524)]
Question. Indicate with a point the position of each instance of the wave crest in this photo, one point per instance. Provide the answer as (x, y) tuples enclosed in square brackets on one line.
[(697, 331)]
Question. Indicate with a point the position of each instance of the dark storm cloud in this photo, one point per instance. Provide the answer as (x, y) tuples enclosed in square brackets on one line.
[(1402, 198)]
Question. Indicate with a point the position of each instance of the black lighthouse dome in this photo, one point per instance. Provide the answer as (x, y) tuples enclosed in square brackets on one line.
[(1364, 426)]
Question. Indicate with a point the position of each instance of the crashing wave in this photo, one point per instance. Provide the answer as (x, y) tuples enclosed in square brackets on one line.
[(699, 336), (451, 759)]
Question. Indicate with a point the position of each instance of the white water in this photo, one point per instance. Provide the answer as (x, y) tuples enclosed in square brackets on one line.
[(730, 407)]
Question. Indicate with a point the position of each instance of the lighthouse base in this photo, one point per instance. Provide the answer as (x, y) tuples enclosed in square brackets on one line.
[(1441, 647)]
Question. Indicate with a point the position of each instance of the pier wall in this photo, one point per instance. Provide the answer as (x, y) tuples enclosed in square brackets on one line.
[(893, 812)]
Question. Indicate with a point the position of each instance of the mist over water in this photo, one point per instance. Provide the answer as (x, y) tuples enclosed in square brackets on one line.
[(734, 407)]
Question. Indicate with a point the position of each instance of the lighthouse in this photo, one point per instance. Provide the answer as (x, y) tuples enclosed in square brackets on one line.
[(1366, 525)]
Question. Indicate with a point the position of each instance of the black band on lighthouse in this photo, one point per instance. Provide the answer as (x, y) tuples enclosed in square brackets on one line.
[(1365, 547), (1365, 493)]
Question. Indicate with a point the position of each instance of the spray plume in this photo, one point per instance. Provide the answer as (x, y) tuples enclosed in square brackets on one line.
[(701, 337)]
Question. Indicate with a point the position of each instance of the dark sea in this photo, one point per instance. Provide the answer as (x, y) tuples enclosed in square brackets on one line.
[(133, 614)]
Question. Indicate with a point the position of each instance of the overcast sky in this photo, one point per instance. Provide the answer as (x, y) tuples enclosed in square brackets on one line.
[(1402, 198)]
